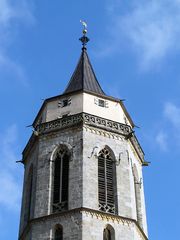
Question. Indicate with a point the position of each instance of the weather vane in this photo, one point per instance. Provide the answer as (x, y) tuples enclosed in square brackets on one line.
[(84, 39), (84, 27)]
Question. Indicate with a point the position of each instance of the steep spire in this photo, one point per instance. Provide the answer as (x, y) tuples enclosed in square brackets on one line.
[(84, 77)]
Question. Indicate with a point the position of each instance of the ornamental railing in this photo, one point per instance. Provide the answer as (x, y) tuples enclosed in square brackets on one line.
[(94, 121)]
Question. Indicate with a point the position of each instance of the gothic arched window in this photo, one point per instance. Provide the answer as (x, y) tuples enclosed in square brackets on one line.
[(109, 233), (106, 234), (137, 188), (28, 195), (61, 180), (106, 181), (58, 233)]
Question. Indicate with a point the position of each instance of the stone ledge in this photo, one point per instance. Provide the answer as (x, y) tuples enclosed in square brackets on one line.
[(93, 121), (93, 213), (84, 119)]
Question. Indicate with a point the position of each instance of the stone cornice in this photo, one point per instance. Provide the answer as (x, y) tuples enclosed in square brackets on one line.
[(61, 123), (90, 212), (106, 124), (29, 146), (84, 119), (94, 121), (87, 119)]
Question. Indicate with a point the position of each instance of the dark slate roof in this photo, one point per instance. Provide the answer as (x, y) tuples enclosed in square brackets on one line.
[(84, 77)]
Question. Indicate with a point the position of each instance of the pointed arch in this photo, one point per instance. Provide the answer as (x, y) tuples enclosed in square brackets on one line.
[(28, 195), (57, 147), (61, 178), (108, 233), (137, 188), (107, 190), (58, 232)]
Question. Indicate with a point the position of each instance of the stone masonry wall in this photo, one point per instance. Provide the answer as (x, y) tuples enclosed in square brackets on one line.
[(30, 162), (94, 224), (93, 142), (71, 224), (84, 145), (48, 143)]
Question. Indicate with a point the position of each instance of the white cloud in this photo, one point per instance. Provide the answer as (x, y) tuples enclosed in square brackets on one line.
[(9, 66), (11, 10), (170, 127), (166, 133), (172, 113), (161, 140), (151, 27), (10, 192), (5, 12), (12, 14)]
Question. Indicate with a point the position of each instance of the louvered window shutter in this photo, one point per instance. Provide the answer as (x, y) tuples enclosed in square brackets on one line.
[(101, 180), (109, 180), (106, 181)]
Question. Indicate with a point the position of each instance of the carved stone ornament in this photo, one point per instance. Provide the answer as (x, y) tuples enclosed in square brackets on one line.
[(85, 119)]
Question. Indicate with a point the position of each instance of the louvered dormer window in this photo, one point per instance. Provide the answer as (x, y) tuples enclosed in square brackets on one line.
[(106, 181), (61, 180), (64, 103), (101, 102)]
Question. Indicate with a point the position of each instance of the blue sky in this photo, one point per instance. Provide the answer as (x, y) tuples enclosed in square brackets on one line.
[(135, 51)]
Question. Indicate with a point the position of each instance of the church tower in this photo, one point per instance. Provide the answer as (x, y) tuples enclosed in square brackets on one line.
[(83, 166)]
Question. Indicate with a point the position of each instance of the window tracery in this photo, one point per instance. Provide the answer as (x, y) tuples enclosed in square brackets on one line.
[(61, 180)]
